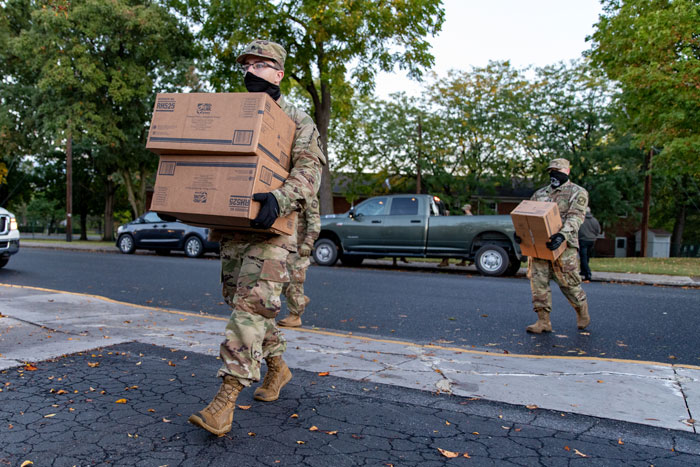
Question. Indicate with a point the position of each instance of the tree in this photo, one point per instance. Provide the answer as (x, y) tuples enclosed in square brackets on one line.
[(652, 49), (333, 46), (96, 65)]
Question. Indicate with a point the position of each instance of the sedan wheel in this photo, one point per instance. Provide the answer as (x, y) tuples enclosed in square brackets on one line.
[(194, 247), (126, 244)]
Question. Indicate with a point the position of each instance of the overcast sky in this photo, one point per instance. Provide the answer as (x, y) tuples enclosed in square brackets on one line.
[(526, 32)]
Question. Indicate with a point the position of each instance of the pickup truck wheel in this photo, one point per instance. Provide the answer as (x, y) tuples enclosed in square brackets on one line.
[(3, 262), (491, 260), (194, 247), (325, 252), (126, 244), (351, 260)]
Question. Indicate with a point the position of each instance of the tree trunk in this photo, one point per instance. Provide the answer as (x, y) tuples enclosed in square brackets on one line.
[(646, 202), (110, 190), (83, 224), (323, 117), (126, 176), (678, 226)]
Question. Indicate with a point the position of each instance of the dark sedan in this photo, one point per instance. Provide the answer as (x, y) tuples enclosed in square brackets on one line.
[(150, 232)]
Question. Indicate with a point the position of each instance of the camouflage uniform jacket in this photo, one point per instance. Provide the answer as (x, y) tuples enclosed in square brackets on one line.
[(572, 201), (309, 224), (304, 179), (307, 160)]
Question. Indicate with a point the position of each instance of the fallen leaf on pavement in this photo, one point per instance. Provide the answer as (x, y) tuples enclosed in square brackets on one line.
[(466, 454), (447, 453), (567, 448), (324, 373), (619, 441), (244, 407), (93, 364), (294, 415), (250, 433), (50, 415), (335, 432), (26, 463), (29, 367), (301, 442), (120, 401), (166, 420), (532, 407), (579, 453), (313, 428)]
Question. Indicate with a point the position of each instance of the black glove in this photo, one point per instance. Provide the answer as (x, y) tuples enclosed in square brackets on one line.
[(269, 210), (517, 239), (555, 241)]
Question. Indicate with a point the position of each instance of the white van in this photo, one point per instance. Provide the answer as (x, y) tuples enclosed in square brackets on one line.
[(9, 236)]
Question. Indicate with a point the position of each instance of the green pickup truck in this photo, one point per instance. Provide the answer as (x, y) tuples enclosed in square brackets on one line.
[(412, 226)]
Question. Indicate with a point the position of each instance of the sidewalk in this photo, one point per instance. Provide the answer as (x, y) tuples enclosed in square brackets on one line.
[(113, 383), (642, 279)]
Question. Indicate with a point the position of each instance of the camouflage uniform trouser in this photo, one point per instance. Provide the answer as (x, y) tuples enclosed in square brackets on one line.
[(252, 275), (565, 272), (294, 290)]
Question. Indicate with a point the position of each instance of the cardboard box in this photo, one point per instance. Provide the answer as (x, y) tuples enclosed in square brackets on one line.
[(221, 123), (216, 191), (535, 222)]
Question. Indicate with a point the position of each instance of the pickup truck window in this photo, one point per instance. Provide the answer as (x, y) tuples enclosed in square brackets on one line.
[(372, 207), (404, 206)]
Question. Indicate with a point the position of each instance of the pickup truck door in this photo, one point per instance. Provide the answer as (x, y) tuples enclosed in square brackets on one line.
[(363, 232), (405, 228)]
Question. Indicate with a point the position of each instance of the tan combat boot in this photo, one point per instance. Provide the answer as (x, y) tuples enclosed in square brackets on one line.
[(583, 319), (217, 417), (291, 321), (277, 376), (542, 325)]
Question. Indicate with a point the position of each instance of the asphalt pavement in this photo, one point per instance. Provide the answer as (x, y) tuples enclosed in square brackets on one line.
[(87, 380)]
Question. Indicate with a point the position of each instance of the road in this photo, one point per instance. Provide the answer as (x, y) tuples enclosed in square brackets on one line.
[(629, 321)]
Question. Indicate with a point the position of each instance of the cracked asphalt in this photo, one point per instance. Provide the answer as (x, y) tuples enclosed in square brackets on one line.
[(127, 405)]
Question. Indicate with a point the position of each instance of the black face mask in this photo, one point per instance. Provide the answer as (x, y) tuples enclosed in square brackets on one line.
[(255, 83), (558, 178)]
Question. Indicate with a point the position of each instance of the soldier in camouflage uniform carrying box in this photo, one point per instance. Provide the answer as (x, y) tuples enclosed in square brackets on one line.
[(308, 229), (572, 201), (254, 265)]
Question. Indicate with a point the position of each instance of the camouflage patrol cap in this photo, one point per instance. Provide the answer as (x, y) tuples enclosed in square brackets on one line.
[(559, 164), (265, 49)]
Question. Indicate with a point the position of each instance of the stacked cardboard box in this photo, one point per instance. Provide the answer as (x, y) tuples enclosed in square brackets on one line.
[(216, 151), (535, 222)]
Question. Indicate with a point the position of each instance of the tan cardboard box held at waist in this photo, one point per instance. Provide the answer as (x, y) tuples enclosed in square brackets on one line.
[(535, 222), (216, 151), (246, 123), (216, 191)]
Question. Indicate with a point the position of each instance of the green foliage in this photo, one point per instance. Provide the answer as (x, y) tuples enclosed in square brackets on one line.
[(652, 48), (89, 70)]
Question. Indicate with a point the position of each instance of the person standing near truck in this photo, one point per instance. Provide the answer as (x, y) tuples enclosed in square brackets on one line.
[(253, 265), (467, 209), (587, 236), (308, 228), (572, 201)]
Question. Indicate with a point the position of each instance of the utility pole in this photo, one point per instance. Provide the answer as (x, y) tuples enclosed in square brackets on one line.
[(646, 201), (420, 146), (69, 188)]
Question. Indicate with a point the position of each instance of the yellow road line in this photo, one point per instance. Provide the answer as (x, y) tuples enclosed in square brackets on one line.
[(370, 339)]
